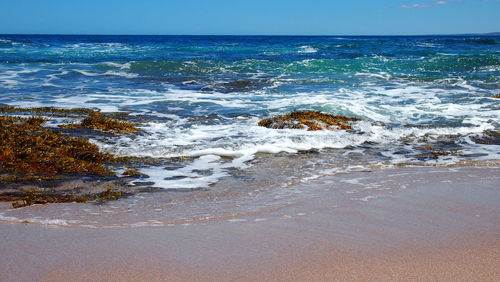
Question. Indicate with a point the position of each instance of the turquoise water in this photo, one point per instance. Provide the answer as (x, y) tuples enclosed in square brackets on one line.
[(202, 97)]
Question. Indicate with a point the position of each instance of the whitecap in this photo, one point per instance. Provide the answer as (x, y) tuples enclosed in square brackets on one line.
[(380, 75), (119, 65), (121, 73), (307, 49)]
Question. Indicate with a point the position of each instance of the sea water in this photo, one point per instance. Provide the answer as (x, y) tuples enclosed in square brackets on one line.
[(200, 98)]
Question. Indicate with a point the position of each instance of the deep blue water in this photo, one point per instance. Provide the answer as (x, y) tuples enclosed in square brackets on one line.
[(202, 96)]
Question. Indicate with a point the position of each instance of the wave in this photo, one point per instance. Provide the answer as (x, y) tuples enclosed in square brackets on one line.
[(108, 73), (382, 75), (203, 97), (4, 43), (307, 50), (178, 123), (237, 141), (482, 41), (123, 66), (120, 73), (239, 144)]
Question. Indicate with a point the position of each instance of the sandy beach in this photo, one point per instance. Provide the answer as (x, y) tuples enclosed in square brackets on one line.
[(444, 224), (248, 141)]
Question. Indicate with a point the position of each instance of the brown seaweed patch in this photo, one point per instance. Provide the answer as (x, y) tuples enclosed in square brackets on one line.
[(30, 150), (33, 156), (50, 111), (133, 173), (102, 123), (489, 137), (133, 161), (8, 178), (437, 154), (310, 120), (33, 198), (428, 147), (91, 119)]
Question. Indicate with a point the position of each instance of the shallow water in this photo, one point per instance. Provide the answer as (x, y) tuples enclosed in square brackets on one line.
[(255, 197), (202, 97)]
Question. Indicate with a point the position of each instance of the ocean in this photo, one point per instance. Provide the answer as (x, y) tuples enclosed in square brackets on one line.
[(422, 101)]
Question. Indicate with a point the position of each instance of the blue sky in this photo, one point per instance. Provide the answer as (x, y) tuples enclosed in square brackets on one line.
[(266, 17)]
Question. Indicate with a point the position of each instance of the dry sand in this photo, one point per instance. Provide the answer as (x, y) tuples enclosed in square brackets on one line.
[(445, 225)]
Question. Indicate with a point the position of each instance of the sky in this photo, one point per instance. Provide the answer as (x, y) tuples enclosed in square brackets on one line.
[(249, 17)]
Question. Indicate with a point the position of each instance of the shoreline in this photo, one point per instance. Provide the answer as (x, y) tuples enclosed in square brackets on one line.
[(212, 204), (444, 224)]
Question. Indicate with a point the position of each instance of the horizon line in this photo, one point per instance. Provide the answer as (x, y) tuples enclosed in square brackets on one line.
[(260, 35)]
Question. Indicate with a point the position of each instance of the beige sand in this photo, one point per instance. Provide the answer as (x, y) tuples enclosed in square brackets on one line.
[(445, 228)]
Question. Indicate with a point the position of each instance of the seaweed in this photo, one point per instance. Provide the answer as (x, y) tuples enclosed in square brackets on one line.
[(105, 124), (437, 154), (33, 154), (29, 151), (91, 119), (133, 173), (134, 161), (428, 147), (489, 137), (50, 111), (33, 198), (310, 120)]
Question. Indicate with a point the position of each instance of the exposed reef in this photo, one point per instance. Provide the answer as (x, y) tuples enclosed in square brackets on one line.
[(310, 120)]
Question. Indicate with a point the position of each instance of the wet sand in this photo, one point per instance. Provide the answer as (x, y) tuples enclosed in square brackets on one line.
[(444, 224)]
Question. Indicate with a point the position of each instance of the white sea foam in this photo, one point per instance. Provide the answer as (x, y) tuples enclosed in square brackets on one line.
[(119, 65), (121, 73), (200, 173), (381, 75), (107, 73), (307, 49), (218, 131), (11, 79), (428, 45), (56, 75), (8, 83), (86, 73), (223, 144), (240, 142), (38, 220)]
